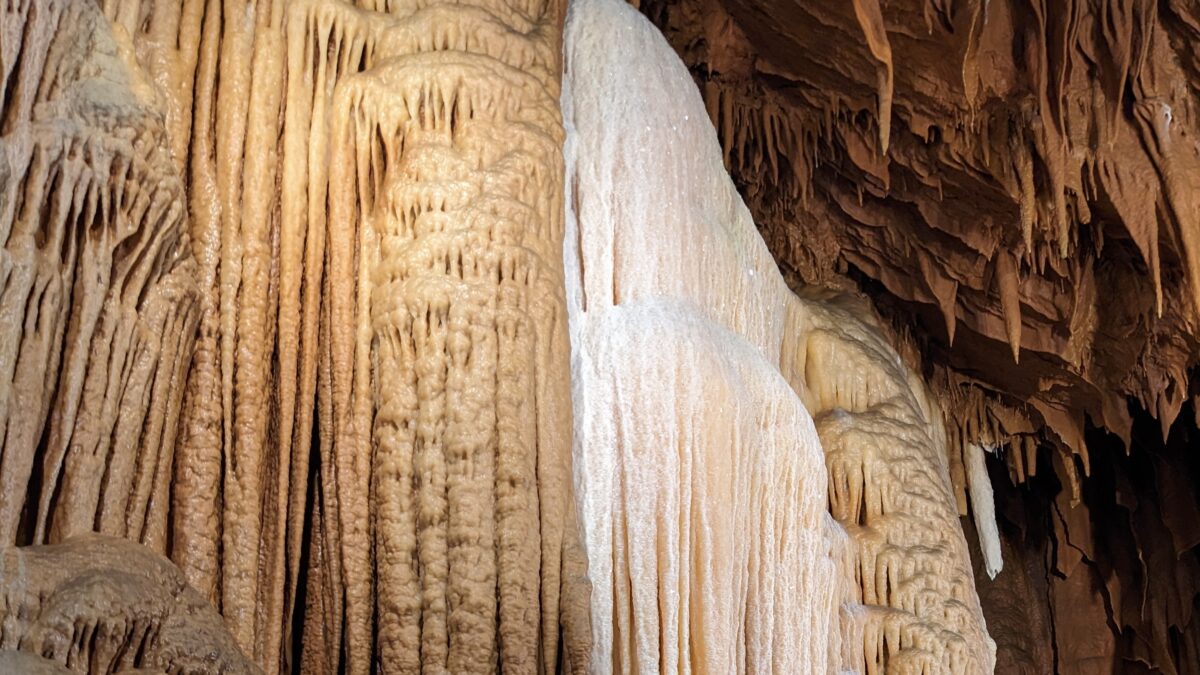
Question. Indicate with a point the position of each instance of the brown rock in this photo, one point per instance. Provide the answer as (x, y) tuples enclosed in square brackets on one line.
[(1009, 181), (102, 604), (97, 298)]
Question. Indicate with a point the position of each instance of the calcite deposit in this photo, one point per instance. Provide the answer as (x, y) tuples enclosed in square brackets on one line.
[(98, 300), (450, 536), (429, 133), (1014, 185), (487, 336), (696, 370), (99, 604), (1019, 177)]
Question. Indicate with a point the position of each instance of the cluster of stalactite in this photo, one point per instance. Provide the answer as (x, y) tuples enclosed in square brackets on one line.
[(292, 292), (98, 303), (447, 474), (1017, 181), (1013, 183), (354, 211), (889, 486), (1107, 581)]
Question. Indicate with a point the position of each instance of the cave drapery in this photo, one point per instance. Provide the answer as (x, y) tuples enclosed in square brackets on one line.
[(591, 336)]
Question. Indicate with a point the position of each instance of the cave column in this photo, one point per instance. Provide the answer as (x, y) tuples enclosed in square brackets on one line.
[(447, 527)]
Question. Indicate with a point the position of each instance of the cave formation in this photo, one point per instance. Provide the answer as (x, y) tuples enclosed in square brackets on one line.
[(590, 336)]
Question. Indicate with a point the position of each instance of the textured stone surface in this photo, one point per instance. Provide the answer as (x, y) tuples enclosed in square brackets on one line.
[(428, 135), (97, 299), (98, 604), (24, 663), (691, 443), (449, 537), (1014, 184), (1010, 181), (282, 296)]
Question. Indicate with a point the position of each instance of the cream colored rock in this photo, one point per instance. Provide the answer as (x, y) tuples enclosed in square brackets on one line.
[(700, 476), (684, 333), (889, 486), (448, 528), (376, 203), (983, 508), (702, 495)]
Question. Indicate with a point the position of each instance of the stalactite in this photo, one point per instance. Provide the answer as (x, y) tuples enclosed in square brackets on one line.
[(1028, 142), (889, 485), (1010, 301), (96, 284), (257, 96), (983, 508), (291, 290), (870, 19)]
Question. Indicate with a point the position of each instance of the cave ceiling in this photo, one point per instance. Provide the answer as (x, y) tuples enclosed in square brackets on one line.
[(1013, 182)]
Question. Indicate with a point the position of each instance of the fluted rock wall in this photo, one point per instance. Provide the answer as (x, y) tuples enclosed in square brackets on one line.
[(448, 513), (373, 202), (889, 486), (698, 467), (97, 294), (1011, 181), (287, 294), (700, 474)]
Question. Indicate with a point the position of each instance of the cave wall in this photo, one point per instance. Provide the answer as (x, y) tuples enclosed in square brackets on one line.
[(98, 300), (283, 296), (102, 604), (1015, 180), (363, 195), (1107, 584), (700, 474)]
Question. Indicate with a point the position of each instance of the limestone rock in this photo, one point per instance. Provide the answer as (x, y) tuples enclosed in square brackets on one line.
[(98, 604), (1012, 182), (375, 201), (97, 298), (686, 339)]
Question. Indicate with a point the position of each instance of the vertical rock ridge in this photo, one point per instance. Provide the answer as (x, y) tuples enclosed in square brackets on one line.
[(443, 408), (890, 487), (447, 351), (96, 284)]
